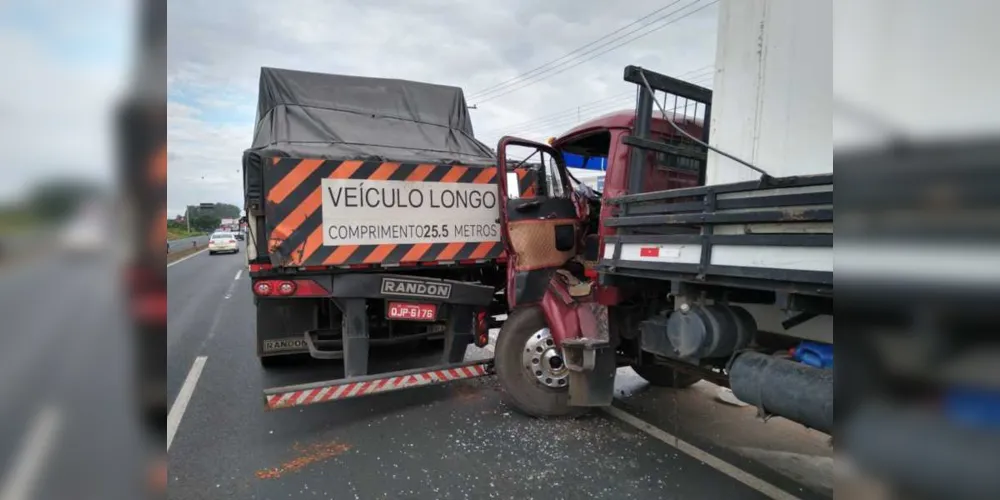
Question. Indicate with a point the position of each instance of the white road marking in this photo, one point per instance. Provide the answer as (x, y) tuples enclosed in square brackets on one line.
[(229, 291), (174, 263), (183, 398), (712, 461), (23, 475), (238, 274)]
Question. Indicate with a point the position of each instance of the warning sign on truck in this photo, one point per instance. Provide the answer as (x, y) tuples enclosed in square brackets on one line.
[(367, 212)]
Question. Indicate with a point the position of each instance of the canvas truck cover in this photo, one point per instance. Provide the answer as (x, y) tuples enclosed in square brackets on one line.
[(350, 170), (314, 115)]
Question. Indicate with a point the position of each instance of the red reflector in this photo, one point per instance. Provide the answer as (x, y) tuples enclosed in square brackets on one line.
[(259, 267), (410, 311), (482, 332), (649, 252), (309, 288)]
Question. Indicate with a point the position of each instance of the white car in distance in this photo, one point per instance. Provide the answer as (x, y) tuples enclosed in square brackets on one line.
[(223, 242)]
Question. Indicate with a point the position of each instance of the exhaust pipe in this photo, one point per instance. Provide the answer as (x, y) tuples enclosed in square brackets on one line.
[(785, 388)]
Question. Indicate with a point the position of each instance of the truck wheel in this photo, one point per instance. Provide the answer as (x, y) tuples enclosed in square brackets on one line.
[(530, 369), (664, 376)]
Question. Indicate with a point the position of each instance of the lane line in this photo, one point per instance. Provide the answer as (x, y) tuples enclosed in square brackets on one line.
[(178, 261), (21, 478), (238, 274), (229, 291), (764, 487), (183, 398)]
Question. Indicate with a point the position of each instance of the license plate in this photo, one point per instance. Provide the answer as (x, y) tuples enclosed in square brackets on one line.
[(411, 311)]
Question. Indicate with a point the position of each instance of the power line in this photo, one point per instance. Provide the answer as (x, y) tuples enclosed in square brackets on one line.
[(566, 59), (591, 114), (563, 67), (487, 90), (692, 75)]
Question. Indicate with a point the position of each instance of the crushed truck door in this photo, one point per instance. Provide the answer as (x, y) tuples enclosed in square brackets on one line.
[(540, 233)]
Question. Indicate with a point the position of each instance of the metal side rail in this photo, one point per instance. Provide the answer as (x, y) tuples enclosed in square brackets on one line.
[(346, 388)]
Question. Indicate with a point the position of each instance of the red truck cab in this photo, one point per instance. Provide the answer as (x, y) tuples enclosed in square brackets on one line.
[(603, 137)]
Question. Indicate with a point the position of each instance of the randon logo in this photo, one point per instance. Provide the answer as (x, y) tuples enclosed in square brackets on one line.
[(395, 286)]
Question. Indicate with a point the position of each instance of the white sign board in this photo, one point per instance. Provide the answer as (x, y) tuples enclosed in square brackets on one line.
[(366, 212)]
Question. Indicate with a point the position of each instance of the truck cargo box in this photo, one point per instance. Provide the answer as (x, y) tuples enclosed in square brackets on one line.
[(347, 171)]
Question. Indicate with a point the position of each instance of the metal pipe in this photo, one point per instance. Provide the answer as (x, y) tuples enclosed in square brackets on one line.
[(785, 388), (637, 156)]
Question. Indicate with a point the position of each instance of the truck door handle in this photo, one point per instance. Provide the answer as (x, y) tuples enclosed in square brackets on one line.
[(531, 205)]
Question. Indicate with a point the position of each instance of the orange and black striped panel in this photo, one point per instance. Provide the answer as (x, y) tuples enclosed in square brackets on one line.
[(293, 211)]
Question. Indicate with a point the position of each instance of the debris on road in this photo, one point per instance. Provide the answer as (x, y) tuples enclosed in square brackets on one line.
[(309, 455)]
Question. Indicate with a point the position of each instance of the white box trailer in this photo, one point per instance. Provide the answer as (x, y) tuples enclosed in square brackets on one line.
[(741, 267)]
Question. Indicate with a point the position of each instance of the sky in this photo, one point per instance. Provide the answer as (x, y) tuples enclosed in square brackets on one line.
[(65, 65), (216, 50)]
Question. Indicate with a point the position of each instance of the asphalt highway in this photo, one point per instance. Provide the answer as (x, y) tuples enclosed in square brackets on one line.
[(66, 423), (442, 442)]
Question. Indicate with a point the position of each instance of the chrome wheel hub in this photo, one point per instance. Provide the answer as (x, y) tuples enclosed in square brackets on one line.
[(543, 360)]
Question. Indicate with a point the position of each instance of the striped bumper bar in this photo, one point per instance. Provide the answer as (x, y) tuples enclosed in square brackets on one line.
[(335, 390)]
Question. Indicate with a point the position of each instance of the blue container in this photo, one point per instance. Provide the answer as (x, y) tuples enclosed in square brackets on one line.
[(972, 407), (576, 161), (814, 354)]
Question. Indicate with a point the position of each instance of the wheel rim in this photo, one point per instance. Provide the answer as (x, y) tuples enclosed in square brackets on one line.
[(542, 359)]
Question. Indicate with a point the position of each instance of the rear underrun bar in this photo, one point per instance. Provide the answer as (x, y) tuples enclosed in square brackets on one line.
[(339, 389)]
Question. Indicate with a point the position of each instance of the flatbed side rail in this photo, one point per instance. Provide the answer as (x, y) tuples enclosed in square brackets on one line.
[(673, 235), (346, 388)]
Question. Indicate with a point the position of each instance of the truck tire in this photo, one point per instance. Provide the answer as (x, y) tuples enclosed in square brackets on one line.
[(664, 376), (521, 389)]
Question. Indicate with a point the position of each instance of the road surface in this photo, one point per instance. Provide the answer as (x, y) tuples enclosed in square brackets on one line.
[(455, 441), (66, 430)]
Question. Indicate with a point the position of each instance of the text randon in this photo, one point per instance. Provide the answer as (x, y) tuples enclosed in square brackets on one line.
[(382, 197)]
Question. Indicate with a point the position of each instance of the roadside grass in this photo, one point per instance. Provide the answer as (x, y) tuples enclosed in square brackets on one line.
[(180, 254), (176, 234)]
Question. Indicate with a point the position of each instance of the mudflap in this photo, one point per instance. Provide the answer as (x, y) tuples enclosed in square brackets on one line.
[(591, 359), (582, 326), (280, 324), (353, 387)]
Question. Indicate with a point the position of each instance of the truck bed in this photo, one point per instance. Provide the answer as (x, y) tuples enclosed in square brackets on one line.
[(773, 236)]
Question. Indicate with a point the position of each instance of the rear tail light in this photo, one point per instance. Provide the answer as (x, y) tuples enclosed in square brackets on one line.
[(263, 288), (289, 288), (232, 241), (286, 288)]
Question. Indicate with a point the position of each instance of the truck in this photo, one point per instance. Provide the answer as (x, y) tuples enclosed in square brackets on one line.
[(708, 254), (728, 278), (372, 219)]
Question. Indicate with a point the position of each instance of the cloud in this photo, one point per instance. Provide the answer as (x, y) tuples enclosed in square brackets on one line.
[(217, 48), (57, 92)]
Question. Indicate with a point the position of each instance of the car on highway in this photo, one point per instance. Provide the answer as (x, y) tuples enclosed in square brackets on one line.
[(223, 242)]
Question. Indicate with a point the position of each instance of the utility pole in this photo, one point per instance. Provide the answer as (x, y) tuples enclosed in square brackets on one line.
[(187, 217)]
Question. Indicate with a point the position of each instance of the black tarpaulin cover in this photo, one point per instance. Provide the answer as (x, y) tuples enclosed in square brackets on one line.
[(315, 115)]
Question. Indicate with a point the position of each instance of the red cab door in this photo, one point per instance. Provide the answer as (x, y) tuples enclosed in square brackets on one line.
[(540, 230)]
